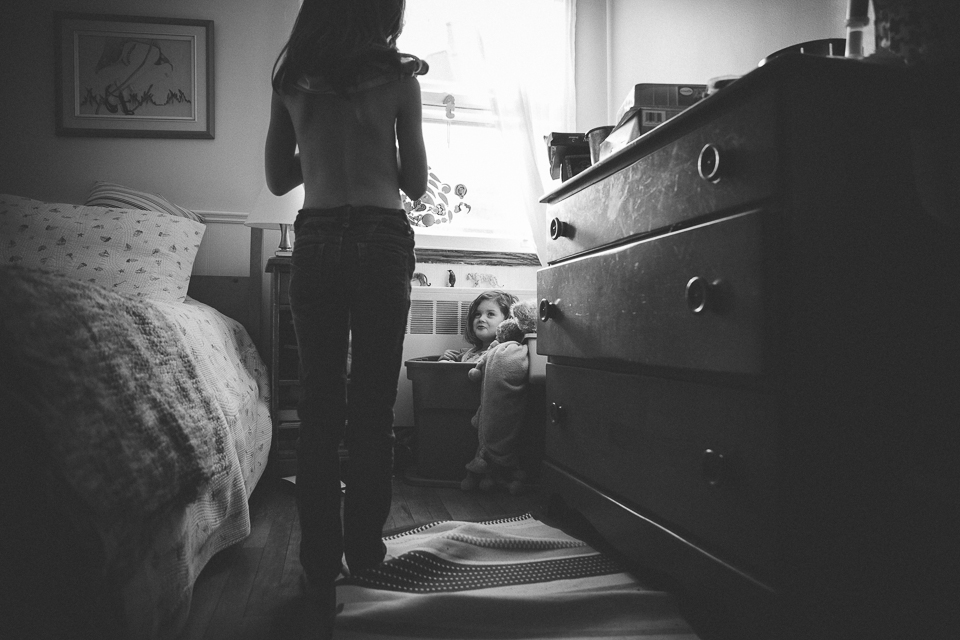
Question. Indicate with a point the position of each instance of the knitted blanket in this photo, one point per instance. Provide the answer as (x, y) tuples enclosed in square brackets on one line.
[(108, 398)]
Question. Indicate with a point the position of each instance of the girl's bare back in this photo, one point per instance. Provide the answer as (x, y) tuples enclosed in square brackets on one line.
[(348, 145)]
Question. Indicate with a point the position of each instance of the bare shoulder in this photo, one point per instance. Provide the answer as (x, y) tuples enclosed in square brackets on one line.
[(409, 98), (410, 86)]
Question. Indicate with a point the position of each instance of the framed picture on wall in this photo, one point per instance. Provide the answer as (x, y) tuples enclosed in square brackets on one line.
[(133, 76)]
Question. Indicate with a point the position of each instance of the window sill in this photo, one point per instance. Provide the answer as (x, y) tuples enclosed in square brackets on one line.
[(486, 258), (433, 238)]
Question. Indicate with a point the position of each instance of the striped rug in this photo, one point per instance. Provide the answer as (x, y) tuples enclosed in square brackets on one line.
[(515, 578)]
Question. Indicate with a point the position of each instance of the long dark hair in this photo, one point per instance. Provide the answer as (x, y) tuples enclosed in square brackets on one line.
[(337, 39), (501, 298)]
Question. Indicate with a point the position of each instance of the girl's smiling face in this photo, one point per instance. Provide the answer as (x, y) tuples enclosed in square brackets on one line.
[(486, 319)]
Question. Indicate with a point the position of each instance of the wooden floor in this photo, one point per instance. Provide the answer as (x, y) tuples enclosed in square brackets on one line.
[(252, 590)]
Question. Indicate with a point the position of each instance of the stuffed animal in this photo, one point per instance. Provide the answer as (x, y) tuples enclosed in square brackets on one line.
[(522, 320), (503, 371), (525, 313), (509, 330)]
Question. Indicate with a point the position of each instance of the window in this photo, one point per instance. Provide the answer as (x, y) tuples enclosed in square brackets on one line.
[(473, 200)]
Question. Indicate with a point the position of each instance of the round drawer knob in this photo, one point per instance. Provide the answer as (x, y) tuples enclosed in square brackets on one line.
[(548, 310), (557, 413), (559, 229), (698, 294), (714, 467), (708, 164)]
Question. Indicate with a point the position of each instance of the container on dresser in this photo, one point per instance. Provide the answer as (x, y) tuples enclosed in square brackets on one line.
[(751, 327)]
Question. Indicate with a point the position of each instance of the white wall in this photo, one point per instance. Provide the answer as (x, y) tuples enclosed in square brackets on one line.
[(684, 41), (649, 41), (220, 175)]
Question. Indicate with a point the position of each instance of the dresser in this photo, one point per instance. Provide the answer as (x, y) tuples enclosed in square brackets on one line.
[(751, 321)]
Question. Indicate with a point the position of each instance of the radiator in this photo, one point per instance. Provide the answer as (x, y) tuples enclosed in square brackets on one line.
[(435, 324)]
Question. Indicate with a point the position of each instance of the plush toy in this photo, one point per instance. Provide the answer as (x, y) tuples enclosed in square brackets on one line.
[(525, 313), (503, 372)]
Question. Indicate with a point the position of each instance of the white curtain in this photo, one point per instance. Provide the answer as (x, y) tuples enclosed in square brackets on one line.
[(524, 52)]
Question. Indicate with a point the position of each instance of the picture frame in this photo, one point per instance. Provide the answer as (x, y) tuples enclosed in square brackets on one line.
[(133, 76)]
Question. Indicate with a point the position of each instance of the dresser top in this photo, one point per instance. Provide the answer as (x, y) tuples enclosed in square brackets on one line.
[(814, 74)]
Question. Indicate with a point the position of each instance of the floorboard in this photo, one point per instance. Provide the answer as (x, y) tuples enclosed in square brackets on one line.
[(267, 582), (425, 505), (206, 595), (263, 510), (290, 578), (463, 505), (236, 592)]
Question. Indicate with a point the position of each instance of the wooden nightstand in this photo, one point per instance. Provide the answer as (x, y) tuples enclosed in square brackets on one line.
[(284, 370)]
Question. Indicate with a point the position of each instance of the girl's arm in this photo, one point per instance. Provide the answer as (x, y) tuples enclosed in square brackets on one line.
[(411, 153), (281, 160)]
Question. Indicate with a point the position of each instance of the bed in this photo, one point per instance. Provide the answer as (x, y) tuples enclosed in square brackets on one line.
[(136, 419)]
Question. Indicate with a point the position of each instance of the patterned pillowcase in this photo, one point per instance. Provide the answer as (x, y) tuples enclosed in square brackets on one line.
[(146, 254), (110, 194)]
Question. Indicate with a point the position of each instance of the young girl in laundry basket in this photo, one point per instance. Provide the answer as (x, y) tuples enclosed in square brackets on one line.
[(486, 313)]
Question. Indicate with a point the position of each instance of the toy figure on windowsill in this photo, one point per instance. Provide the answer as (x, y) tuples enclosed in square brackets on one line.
[(503, 373)]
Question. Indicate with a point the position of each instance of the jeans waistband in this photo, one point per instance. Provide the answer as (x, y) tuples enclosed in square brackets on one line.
[(344, 214), (351, 209)]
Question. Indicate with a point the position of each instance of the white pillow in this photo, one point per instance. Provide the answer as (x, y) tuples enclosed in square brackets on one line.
[(110, 194), (146, 254)]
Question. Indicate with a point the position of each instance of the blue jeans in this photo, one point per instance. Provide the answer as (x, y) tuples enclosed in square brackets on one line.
[(349, 286)]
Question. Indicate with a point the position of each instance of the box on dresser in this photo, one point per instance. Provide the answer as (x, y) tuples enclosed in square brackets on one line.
[(753, 362), (646, 107), (568, 154)]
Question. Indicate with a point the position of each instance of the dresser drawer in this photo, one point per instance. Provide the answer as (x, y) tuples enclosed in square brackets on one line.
[(657, 445), (665, 188), (637, 304)]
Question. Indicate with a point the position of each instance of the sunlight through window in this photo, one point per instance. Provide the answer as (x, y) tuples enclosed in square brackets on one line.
[(472, 193)]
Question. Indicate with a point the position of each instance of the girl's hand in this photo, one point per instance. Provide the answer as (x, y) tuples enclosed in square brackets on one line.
[(450, 355)]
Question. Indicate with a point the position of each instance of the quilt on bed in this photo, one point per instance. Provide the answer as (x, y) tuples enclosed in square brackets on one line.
[(155, 416), (231, 366)]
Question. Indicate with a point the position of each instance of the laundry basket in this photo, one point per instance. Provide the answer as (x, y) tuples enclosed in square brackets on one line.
[(444, 401)]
